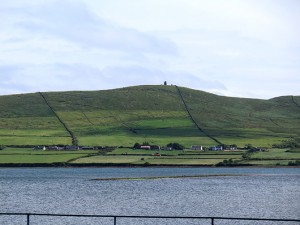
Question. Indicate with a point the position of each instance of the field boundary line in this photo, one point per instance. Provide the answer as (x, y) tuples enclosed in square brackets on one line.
[(193, 120), (73, 137), (296, 103)]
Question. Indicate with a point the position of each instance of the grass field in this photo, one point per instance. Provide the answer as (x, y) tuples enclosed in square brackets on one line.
[(34, 140), (154, 114), (146, 157), (28, 155), (243, 121), (277, 154), (272, 157), (268, 162), (154, 160)]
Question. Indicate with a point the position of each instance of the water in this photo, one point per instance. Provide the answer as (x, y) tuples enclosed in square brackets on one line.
[(263, 193)]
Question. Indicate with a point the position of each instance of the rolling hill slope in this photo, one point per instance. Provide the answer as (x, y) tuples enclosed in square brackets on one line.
[(155, 114)]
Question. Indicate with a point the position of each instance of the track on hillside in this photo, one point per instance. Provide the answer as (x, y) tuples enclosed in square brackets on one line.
[(294, 101), (193, 120), (74, 139)]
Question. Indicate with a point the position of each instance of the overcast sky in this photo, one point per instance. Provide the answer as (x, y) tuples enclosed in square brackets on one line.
[(242, 48)]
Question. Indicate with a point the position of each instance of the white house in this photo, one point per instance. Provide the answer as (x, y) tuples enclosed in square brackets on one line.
[(216, 148), (197, 147)]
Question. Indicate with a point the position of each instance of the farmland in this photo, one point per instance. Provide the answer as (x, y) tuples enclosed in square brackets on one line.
[(157, 115), (30, 156), (131, 157)]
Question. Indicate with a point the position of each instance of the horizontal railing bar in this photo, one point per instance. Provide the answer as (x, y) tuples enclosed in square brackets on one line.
[(148, 217)]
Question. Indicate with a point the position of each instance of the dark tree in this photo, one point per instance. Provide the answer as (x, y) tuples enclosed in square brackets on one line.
[(136, 146), (165, 83), (175, 146)]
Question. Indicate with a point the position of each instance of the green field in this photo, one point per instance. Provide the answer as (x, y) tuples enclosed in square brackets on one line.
[(28, 155), (277, 154), (155, 114), (128, 156)]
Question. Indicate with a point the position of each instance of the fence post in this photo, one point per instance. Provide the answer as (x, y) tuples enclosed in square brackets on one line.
[(115, 220), (28, 221), (212, 221)]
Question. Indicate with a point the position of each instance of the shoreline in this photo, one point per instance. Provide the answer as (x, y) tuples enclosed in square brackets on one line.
[(125, 165)]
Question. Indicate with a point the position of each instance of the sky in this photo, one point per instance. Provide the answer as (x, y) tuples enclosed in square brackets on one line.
[(239, 48)]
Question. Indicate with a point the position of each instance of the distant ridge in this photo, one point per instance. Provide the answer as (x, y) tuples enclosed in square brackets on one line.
[(157, 114)]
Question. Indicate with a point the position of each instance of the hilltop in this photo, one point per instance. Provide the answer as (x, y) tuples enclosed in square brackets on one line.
[(154, 114)]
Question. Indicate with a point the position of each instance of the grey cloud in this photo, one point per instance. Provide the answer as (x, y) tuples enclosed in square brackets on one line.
[(76, 23), (54, 77), (65, 77), (144, 75)]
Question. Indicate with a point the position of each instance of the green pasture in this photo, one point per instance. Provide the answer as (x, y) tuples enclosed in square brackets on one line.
[(268, 162), (138, 160), (272, 157), (30, 151), (32, 133), (109, 159), (185, 153), (240, 120), (130, 151), (130, 140), (37, 158), (149, 113), (180, 161), (178, 157), (274, 154), (27, 155), (259, 141), (208, 156), (124, 128), (34, 140), (30, 123)]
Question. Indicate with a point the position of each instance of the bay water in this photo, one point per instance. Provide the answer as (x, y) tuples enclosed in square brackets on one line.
[(245, 192)]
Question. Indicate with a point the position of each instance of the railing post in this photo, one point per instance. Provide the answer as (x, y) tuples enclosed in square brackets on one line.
[(115, 220), (28, 221), (212, 221)]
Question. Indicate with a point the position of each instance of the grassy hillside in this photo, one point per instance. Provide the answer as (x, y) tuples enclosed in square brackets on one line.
[(27, 120), (241, 120), (155, 114)]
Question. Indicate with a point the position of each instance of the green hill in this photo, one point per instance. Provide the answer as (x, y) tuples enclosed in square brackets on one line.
[(154, 114)]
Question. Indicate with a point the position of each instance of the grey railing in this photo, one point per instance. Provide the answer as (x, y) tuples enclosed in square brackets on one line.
[(213, 220)]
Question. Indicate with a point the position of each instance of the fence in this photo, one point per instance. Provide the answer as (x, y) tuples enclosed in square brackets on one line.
[(213, 220)]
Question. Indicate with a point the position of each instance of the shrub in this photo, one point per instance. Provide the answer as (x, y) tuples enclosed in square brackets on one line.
[(290, 143), (146, 164), (175, 146), (136, 146), (296, 163), (247, 155), (228, 162)]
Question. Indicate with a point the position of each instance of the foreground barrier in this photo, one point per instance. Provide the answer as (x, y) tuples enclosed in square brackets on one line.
[(213, 220)]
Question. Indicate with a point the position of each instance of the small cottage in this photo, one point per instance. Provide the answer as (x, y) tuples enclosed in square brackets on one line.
[(196, 147)]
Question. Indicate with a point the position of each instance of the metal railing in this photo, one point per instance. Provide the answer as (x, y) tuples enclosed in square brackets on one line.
[(115, 218)]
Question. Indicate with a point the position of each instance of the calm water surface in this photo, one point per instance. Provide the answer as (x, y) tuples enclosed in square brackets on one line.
[(265, 193)]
